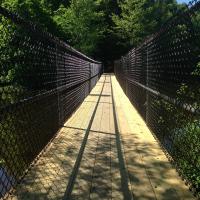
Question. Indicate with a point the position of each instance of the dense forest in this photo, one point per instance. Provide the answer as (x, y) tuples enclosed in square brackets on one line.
[(102, 29)]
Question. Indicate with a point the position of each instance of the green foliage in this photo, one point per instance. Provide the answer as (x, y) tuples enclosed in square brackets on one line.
[(141, 18), (82, 24), (182, 126), (197, 70), (179, 125), (97, 27)]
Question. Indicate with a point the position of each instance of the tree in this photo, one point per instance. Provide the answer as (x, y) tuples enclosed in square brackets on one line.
[(141, 18), (112, 45), (33, 10), (82, 24)]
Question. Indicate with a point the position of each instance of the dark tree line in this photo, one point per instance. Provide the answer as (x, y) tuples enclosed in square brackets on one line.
[(103, 29)]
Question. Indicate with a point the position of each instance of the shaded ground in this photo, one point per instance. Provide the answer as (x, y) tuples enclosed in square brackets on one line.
[(104, 151)]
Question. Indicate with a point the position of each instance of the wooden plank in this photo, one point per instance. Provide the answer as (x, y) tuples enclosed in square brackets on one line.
[(83, 182), (101, 179), (117, 193)]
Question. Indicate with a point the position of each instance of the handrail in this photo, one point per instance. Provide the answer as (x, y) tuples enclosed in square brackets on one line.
[(43, 80), (161, 77)]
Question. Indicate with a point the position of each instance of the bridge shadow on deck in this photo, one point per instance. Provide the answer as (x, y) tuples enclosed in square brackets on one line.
[(93, 157)]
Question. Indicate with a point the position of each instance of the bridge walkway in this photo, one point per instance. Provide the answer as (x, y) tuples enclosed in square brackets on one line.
[(104, 151)]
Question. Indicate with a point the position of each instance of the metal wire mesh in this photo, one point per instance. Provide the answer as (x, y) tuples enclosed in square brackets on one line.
[(161, 77), (42, 81)]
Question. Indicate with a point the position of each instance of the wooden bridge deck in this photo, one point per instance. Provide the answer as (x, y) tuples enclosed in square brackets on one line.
[(104, 151)]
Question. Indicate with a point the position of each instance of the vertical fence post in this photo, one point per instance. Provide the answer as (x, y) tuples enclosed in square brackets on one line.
[(90, 80), (57, 87), (102, 68), (126, 81), (147, 84)]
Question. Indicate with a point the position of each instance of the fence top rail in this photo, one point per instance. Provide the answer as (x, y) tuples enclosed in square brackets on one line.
[(15, 18)]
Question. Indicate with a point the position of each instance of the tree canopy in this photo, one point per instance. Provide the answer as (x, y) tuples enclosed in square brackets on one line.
[(141, 18), (102, 29)]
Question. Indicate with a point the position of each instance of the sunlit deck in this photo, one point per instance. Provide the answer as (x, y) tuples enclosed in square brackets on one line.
[(104, 151)]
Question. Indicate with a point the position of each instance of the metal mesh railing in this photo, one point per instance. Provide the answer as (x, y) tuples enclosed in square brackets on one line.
[(42, 81), (161, 77)]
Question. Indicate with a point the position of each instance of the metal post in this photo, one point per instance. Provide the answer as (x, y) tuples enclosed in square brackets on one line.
[(57, 86), (147, 84), (90, 77)]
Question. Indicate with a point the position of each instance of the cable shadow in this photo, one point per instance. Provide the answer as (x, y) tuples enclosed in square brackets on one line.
[(123, 171), (75, 170), (102, 95), (82, 129), (99, 102)]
